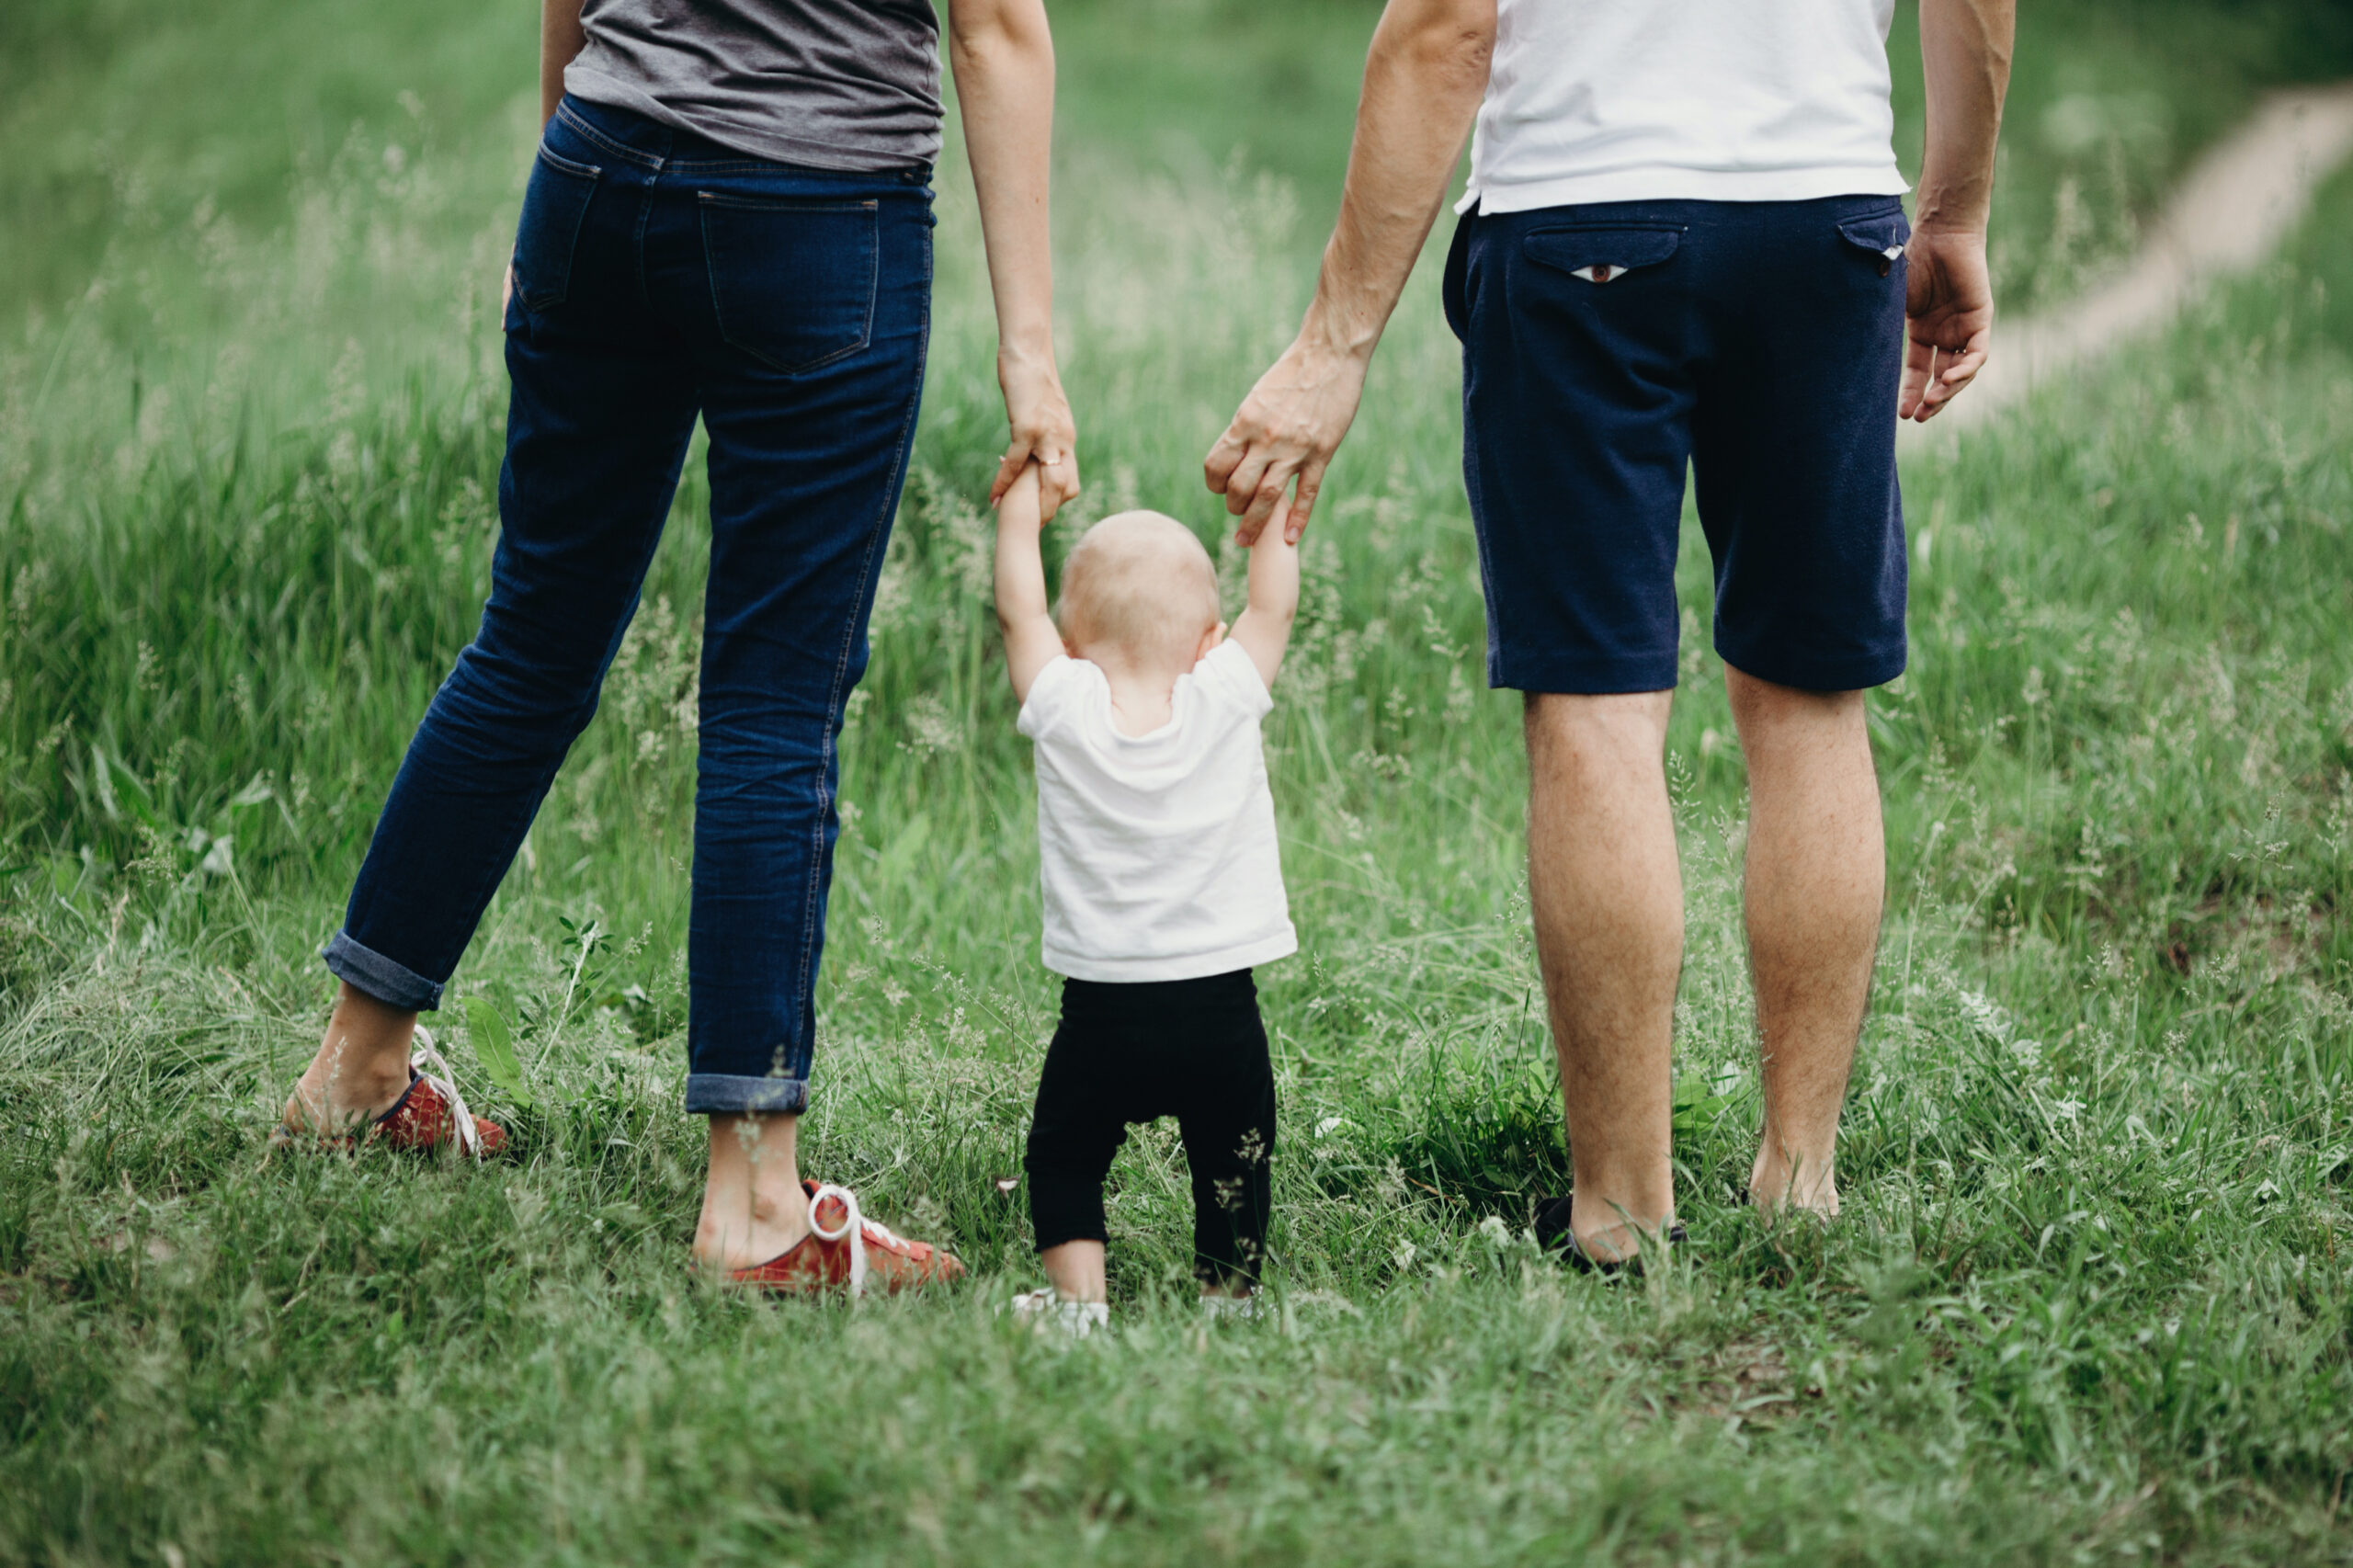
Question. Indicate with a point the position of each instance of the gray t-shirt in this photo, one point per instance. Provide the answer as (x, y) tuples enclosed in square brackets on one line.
[(824, 84)]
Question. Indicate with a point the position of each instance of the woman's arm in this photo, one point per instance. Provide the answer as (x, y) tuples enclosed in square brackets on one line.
[(1004, 59), (560, 40)]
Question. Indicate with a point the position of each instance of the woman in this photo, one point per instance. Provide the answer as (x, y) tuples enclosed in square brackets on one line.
[(730, 217)]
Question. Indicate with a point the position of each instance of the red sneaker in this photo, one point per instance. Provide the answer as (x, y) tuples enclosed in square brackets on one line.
[(845, 1248), (429, 1115)]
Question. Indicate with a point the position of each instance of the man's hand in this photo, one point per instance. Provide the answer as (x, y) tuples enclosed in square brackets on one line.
[(1948, 311), (1289, 426), (1043, 431), (1948, 297), (1423, 79)]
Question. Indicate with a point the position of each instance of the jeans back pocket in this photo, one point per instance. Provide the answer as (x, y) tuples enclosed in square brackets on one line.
[(792, 281), (554, 204)]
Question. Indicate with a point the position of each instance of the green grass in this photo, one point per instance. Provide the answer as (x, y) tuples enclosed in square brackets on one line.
[(2094, 1299)]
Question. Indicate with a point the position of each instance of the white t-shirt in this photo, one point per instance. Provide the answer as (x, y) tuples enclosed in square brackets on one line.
[(1158, 851), (1710, 100)]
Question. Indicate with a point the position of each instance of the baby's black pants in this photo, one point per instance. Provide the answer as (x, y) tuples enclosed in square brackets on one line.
[(1191, 1048)]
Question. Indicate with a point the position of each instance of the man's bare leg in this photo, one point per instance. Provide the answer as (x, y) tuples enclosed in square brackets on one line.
[(1815, 888), (753, 1205), (362, 1068), (1607, 897)]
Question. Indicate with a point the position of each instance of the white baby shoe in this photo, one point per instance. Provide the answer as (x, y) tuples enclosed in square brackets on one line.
[(1241, 1309), (1048, 1314)]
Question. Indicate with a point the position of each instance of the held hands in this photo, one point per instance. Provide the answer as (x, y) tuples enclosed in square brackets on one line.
[(1043, 429), (1288, 426), (1948, 310)]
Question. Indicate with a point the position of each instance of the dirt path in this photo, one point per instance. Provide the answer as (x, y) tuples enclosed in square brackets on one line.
[(2232, 211)]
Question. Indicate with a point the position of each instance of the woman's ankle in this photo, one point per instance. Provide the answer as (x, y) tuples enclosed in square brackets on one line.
[(754, 1207), (360, 1070)]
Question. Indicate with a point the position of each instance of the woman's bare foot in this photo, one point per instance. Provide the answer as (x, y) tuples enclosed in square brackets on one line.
[(754, 1207), (362, 1068)]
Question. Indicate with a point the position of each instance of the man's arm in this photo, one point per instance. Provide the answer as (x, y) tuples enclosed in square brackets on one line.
[(1032, 642), (1965, 48), (1264, 630), (1004, 59), (1423, 81), (561, 40)]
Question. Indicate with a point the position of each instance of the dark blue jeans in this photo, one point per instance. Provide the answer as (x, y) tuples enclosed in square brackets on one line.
[(658, 276)]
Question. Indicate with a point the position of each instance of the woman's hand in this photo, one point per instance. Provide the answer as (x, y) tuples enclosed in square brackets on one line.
[(1004, 59), (1043, 429)]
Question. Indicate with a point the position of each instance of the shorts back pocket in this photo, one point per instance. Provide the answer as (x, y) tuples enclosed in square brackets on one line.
[(1602, 254), (554, 204), (1881, 238), (792, 282)]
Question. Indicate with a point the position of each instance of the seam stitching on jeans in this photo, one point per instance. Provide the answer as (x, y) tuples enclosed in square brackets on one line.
[(880, 531), (618, 149)]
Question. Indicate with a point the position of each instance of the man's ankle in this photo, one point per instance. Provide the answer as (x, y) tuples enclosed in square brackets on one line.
[(1780, 1183)]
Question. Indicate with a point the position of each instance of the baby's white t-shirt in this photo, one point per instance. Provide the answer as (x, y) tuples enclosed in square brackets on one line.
[(1156, 852)]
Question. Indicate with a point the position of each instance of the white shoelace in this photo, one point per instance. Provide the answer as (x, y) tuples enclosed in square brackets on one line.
[(855, 1224), (444, 1083)]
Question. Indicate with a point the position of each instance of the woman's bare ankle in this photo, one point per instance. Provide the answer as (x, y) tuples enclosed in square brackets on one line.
[(754, 1208), (736, 1231), (362, 1068)]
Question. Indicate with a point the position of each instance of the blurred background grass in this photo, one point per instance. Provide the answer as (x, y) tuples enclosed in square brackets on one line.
[(2091, 1305)]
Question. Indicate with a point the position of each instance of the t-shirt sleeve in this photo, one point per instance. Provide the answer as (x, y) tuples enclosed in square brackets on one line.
[(1050, 696), (1229, 678)]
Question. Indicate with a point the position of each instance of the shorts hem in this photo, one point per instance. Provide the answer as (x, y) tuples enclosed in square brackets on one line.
[(1858, 674), (1580, 677)]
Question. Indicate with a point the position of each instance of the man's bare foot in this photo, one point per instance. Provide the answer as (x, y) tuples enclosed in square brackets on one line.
[(360, 1071), (1777, 1184), (754, 1207)]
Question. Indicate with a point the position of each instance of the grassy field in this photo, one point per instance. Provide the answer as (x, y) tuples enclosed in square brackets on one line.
[(2094, 1300)]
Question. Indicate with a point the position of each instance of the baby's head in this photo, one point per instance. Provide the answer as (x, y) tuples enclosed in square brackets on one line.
[(1139, 593)]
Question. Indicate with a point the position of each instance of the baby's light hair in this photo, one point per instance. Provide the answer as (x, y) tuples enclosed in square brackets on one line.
[(1139, 585)]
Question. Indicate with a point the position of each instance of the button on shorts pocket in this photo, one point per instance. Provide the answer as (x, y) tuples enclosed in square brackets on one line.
[(792, 282), (553, 205)]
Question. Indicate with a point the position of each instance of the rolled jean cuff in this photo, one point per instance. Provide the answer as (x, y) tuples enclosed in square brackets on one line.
[(393, 985), (730, 1094)]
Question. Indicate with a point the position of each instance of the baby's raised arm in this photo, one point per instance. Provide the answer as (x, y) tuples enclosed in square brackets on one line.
[(1264, 630), (1031, 640)]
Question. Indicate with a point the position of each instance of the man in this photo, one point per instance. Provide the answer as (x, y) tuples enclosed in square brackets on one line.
[(1681, 241)]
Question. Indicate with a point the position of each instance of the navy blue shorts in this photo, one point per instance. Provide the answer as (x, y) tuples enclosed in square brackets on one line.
[(1604, 347)]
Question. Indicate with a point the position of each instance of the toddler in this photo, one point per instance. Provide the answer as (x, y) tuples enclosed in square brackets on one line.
[(1163, 888)]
